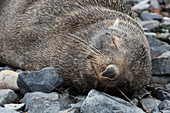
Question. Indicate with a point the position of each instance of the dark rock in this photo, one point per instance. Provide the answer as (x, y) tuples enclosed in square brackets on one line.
[(164, 105), (135, 101), (161, 93), (6, 68), (8, 80), (142, 93), (70, 110), (149, 104), (39, 102), (7, 96), (164, 37), (15, 107), (4, 110), (149, 16), (157, 47), (143, 5), (45, 80), (150, 25), (161, 64), (158, 80), (99, 102)]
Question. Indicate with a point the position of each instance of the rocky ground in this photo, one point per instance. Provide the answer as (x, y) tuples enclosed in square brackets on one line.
[(42, 91)]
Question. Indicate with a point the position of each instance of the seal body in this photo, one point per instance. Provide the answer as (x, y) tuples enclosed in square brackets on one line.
[(92, 43)]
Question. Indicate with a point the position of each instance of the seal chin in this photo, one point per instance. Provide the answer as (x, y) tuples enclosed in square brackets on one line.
[(112, 72)]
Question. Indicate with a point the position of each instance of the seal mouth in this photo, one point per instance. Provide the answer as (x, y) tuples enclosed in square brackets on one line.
[(111, 72)]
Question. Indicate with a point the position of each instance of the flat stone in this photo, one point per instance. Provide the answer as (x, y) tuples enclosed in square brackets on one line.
[(161, 64), (164, 105), (45, 80), (4, 110), (149, 104), (70, 110), (99, 102), (154, 4), (38, 102), (15, 107), (143, 5), (150, 16), (150, 25), (8, 80), (7, 96)]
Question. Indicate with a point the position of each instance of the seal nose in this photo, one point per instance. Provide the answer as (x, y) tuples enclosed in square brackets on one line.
[(110, 72)]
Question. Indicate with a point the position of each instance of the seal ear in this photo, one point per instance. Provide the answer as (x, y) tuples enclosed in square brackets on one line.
[(112, 71), (116, 24)]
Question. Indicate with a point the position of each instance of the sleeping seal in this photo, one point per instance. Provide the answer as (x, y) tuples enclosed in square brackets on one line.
[(92, 43)]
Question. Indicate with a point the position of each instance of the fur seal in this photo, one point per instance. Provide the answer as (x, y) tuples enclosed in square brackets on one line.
[(92, 43)]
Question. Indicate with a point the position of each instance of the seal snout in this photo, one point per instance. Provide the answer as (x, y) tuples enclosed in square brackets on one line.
[(112, 71)]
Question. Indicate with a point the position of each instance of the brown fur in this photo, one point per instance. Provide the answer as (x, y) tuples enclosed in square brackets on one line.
[(76, 37)]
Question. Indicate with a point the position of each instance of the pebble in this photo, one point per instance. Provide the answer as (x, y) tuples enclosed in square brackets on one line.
[(164, 105), (149, 16), (150, 25), (149, 104), (45, 80), (143, 5), (15, 107), (8, 80), (7, 96), (99, 102), (4, 110), (161, 64), (38, 102)]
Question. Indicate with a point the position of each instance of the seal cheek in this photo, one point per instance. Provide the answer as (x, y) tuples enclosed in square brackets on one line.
[(112, 71)]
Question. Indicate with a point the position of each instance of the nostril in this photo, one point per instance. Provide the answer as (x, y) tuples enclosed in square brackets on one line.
[(110, 72)]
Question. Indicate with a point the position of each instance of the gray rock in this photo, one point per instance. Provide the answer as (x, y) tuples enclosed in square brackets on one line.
[(158, 80), (143, 5), (15, 107), (99, 102), (155, 109), (45, 80), (165, 111), (142, 93), (150, 25), (157, 47), (39, 102), (154, 4), (149, 104), (77, 105), (6, 68), (161, 64), (7, 96), (70, 110), (4, 110), (149, 16), (8, 80), (164, 105)]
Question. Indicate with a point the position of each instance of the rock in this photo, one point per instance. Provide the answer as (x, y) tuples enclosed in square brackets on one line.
[(133, 2), (158, 80), (164, 37), (143, 5), (154, 4), (165, 111), (8, 80), (155, 109), (161, 64), (149, 16), (150, 25), (45, 80), (99, 102), (157, 47), (164, 105), (38, 102), (77, 105), (70, 110), (142, 93), (15, 107), (6, 68), (161, 93), (7, 96), (4, 110), (149, 104)]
